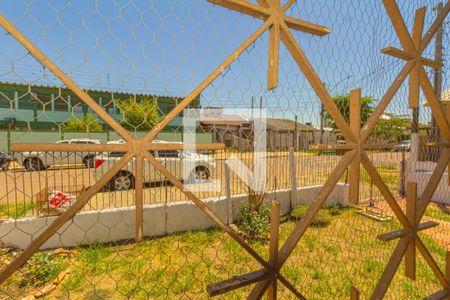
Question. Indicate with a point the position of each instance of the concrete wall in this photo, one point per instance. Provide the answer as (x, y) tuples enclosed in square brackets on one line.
[(118, 224), (421, 171)]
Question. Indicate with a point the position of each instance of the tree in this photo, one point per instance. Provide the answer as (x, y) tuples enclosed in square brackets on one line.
[(89, 124), (343, 104), (392, 130), (138, 115)]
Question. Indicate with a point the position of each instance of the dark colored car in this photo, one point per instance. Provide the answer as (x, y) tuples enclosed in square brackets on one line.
[(5, 161)]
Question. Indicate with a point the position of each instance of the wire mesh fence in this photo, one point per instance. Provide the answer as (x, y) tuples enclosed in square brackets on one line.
[(139, 61)]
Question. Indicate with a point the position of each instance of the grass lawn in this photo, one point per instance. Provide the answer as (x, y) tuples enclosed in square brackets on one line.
[(326, 262)]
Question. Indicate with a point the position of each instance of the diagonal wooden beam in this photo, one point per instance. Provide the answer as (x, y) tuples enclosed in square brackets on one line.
[(210, 213), (384, 190), (390, 269), (399, 25), (414, 88), (191, 97), (432, 184), (384, 102), (18, 262), (434, 104), (288, 4), (434, 27), (445, 293), (244, 7), (315, 82), (258, 293), (432, 263), (314, 207), (45, 61)]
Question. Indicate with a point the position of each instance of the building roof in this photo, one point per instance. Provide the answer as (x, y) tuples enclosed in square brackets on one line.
[(445, 97), (88, 90), (214, 116), (287, 125)]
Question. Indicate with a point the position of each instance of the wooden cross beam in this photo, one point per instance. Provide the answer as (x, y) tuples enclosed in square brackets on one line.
[(409, 241), (443, 294), (355, 166), (411, 47), (136, 148), (268, 277), (411, 231), (272, 11)]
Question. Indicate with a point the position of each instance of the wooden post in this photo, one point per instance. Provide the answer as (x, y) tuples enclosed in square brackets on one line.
[(273, 246), (354, 293), (228, 194), (355, 125), (293, 175), (411, 214), (139, 197)]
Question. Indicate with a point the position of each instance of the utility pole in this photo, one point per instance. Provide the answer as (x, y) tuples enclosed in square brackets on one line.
[(435, 132)]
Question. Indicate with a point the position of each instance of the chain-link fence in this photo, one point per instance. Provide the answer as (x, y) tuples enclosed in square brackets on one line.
[(78, 136)]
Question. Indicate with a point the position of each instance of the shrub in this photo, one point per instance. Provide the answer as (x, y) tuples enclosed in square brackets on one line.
[(255, 223), (322, 218), (336, 209)]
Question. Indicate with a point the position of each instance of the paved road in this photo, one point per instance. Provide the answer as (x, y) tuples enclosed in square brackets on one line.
[(20, 187)]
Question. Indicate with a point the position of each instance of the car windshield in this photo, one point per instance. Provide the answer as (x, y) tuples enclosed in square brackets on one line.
[(168, 153)]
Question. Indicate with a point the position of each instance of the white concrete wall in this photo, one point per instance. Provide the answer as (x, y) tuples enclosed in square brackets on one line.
[(118, 224), (421, 171)]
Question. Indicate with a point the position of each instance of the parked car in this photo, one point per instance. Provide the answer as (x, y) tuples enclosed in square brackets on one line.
[(404, 145), (5, 161), (174, 160), (33, 161)]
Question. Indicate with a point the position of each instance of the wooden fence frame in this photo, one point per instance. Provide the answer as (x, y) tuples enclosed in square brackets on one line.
[(279, 25)]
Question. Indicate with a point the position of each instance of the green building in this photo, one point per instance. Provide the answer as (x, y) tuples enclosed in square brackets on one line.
[(37, 107)]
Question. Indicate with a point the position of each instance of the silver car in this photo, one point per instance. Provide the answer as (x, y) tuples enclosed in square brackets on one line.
[(35, 161), (200, 167)]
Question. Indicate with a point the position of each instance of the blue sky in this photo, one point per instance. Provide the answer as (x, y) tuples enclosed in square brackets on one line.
[(169, 47)]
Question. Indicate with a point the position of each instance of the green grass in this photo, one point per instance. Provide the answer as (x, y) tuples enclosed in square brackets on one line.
[(325, 263), (15, 211), (438, 214)]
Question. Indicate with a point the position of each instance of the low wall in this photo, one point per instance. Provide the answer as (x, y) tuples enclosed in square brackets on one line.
[(421, 171), (119, 223)]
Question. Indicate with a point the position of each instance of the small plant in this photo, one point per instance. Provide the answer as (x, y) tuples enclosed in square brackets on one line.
[(336, 209), (322, 218), (255, 223), (42, 268)]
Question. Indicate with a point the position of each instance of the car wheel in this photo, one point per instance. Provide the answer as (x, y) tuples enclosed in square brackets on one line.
[(5, 166), (201, 173), (122, 181), (33, 164), (89, 161)]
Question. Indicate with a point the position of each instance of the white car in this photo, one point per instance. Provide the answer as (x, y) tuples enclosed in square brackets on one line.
[(33, 161), (201, 168)]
